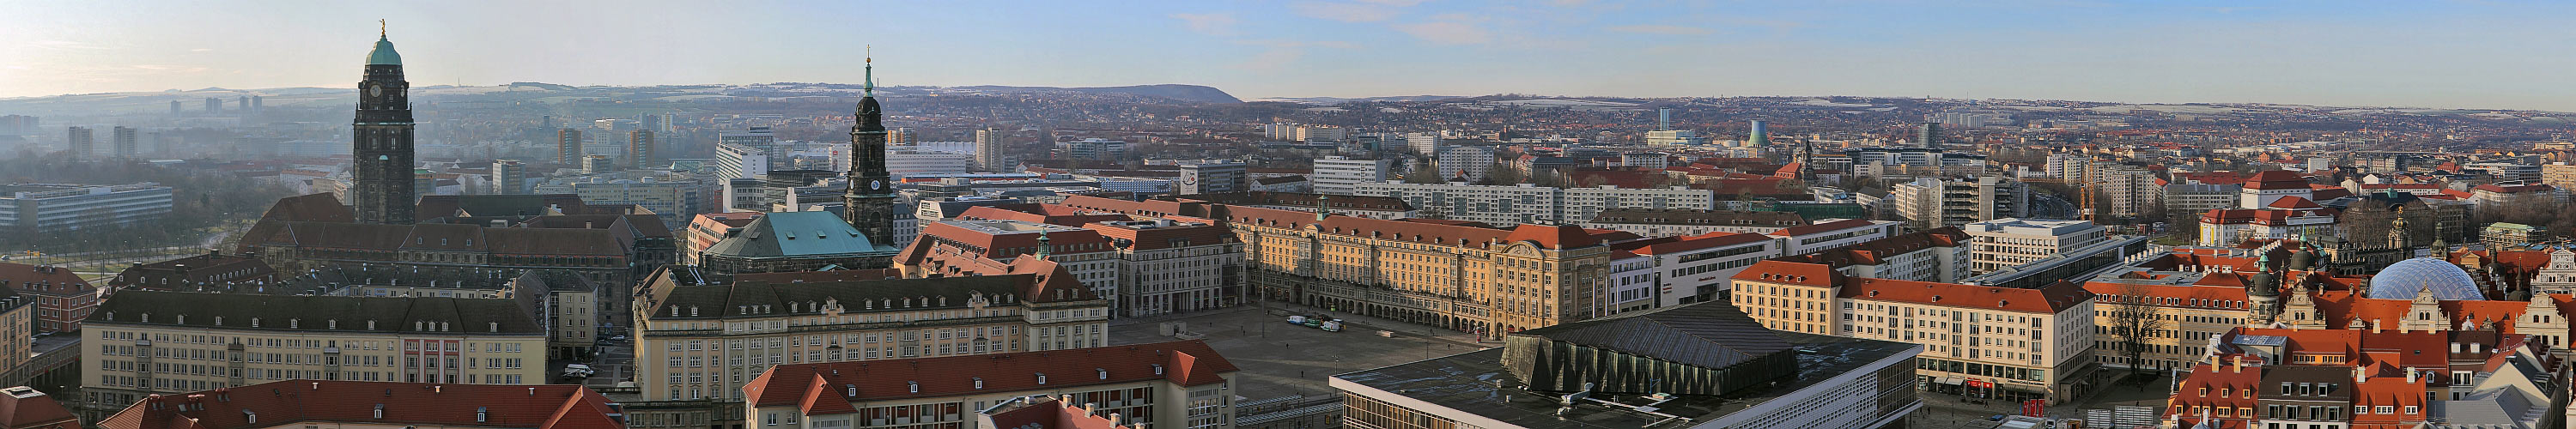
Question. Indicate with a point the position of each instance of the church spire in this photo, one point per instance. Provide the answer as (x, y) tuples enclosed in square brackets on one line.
[(870, 85)]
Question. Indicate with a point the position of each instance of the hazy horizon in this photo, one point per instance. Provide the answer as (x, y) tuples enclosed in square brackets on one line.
[(2452, 55)]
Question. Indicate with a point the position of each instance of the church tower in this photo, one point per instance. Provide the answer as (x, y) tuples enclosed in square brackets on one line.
[(870, 202), (380, 140)]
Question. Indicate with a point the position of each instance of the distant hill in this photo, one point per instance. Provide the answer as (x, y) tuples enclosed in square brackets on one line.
[(1339, 100), (1195, 93)]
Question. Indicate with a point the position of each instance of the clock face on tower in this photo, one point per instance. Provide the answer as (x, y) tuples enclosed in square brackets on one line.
[(876, 184), (375, 90)]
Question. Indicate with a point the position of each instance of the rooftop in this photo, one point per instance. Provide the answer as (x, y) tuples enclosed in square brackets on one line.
[(373, 404), (1477, 383)]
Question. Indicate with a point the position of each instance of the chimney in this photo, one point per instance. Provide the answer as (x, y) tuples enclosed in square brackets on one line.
[(2236, 364), (2410, 375), (2358, 376)]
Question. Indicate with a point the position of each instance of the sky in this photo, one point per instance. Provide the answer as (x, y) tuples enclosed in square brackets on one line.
[(2440, 54)]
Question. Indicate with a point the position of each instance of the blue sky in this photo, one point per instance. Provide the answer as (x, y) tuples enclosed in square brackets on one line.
[(2462, 54)]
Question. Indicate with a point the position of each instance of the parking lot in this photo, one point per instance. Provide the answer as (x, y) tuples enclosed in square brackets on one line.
[(1280, 359)]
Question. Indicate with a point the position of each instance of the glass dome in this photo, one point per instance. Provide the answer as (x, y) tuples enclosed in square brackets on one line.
[(2404, 278)]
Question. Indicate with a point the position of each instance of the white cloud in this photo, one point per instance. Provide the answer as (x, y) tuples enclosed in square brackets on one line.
[(1447, 32), (1673, 30), (1285, 52), (1344, 12), (1213, 24)]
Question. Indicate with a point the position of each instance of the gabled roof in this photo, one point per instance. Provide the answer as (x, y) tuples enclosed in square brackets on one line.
[(23, 407), (288, 403), (44, 280), (1707, 335), (1185, 363), (1553, 236), (452, 316), (2276, 179)]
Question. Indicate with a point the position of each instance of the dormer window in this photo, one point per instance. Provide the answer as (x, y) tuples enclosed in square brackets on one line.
[(1104, 373), (482, 414), (380, 411), (913, 386), (1041, 378)]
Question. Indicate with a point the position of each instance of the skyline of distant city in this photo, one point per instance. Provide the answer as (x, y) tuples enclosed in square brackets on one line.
[(2311, 53)]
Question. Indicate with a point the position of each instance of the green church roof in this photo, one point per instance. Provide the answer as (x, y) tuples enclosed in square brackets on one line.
[(384, 53)]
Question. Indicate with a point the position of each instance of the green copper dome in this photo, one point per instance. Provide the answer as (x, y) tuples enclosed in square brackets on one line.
[(384, 54)]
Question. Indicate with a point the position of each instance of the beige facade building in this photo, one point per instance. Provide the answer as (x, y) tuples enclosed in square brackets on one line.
[(1174, 385), (2004, 243), (704, 341), (142, 343), (2031, 343)]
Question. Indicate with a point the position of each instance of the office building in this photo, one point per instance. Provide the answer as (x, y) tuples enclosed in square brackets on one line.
[(1938, 255), (143, 343), (672, 202), (1669, 271), (1673, 222), (746, 153), (1702, 366), (1528, 203), (1213, 178), (2559, 175), (595, 164), (1935, 203), (380, 142), (312, 403), (2004, 243), (1178, 384), (2028, 343), (62, 207), (701, 340), (1340, 176), (1674, 138), (510, 176), (640, 149), (568, 147), (908, 163), (80, 143), (1345, 205), (2192, 199)]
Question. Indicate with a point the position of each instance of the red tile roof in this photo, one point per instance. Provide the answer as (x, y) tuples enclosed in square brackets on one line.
[(23, 407), (2049, 299), (1057, 413), (286, 403), (2276, 179), (1553, 236), (46, 280), (1186, 363)]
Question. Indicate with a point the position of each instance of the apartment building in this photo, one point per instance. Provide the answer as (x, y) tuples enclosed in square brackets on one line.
[(374, 404), (1459, 163), (1341, 176), (2029, 343), (1833, 233), (1178, 384), (1668, 222), (2128, 191), (700, 340), (2197, 198), (2004, 243), (673, 202), (142, 343), (1528, 203), (1346, 205), (1935, 203), (61, 299)]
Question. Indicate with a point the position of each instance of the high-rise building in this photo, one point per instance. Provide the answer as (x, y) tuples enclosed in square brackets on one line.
[(127, 138), (509, 176), (1674, 138), (380, 141), (1527, 203), (567, 147), (1463, 162), (241, 104), (1928, 134), (81, 143), (1428, 144), (177, 108), (988, 150), (869, 204), (258, 104), (639, 149), (214, 105)]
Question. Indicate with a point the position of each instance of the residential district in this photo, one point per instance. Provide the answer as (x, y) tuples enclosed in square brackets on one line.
[(822, 256)]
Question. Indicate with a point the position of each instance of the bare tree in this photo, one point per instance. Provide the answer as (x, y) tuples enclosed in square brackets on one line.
[(2133, 324)]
